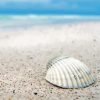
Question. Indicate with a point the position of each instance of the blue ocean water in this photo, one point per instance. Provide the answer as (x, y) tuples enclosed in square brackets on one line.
[(7, 21)]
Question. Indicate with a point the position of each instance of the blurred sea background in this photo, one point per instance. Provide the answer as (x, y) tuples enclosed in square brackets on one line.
[(24, 13)]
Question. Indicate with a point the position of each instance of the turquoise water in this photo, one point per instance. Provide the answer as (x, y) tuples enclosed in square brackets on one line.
[(80, 7), (7, 21)]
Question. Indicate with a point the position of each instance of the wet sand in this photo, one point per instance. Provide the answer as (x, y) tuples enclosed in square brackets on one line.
[(24, 53)]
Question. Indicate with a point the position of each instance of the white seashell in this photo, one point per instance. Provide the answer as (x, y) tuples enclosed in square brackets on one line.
[(68, 72)]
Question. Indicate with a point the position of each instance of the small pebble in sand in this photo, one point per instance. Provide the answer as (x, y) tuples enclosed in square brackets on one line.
[(13, 91), (50, 91), (77, 98), (35, 93), (92, 96)]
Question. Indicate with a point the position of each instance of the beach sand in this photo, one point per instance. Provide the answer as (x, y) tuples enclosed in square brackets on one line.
[(24, 53)]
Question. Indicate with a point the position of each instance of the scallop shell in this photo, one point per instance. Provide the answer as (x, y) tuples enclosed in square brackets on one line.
[(68, 72)]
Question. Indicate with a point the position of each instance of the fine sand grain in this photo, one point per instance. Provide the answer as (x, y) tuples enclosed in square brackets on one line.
[(24, 53)]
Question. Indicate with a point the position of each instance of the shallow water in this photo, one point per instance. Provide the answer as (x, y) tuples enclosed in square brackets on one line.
[(9, 21)]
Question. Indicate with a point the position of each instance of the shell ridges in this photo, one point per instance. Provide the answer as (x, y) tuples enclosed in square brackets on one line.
[(68, 72)]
